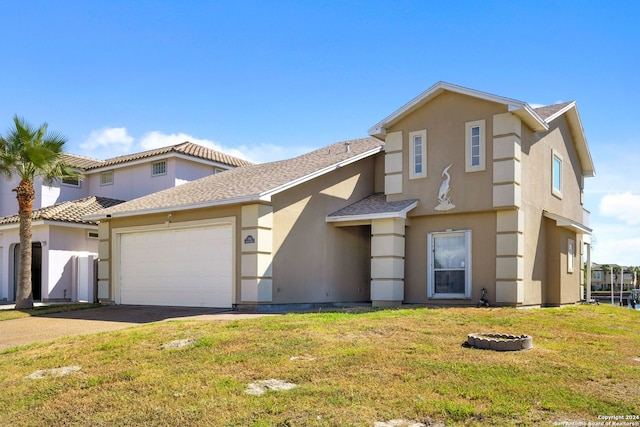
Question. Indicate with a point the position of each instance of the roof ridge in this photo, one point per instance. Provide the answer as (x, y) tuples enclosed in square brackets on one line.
[(186, 148), (82, 156)]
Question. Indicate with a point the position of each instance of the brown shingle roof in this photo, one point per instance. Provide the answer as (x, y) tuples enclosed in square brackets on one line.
[(374, 205), (72, 211), (187, 148), (251, 182), (549, 110)]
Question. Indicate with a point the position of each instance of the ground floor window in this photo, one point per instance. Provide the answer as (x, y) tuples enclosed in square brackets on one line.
[(449, 264)]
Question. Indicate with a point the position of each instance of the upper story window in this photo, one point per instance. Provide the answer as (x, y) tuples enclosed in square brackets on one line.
[(73, 182), (475, 146), (556, 174), (159, 168), (106, 178), (217, 171), (596, 275), (418, 154)]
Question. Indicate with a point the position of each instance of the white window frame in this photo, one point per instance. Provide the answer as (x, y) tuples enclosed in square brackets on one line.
[(596, 275), (556, 157), (422, 134), (482, 146), (571, 254), (431, 292), (106, 178), (158, 163)]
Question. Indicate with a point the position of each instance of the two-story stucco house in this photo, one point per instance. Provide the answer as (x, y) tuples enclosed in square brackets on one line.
[(65, 245), (455, 192)]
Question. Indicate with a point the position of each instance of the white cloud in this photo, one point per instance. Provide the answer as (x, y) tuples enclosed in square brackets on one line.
[(617, 251), (259, 153), (623, 207), (536, 105), (157, 139), (263, 153), (111, 140)]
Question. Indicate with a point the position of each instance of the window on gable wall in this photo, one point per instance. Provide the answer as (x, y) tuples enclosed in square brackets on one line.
[(556, 174), (418, 154), (159, 168), (475, 146)]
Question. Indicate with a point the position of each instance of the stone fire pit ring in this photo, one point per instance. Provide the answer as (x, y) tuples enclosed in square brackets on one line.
[(500, 342)]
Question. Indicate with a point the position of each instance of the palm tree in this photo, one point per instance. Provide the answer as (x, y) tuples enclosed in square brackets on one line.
[(27, 153)]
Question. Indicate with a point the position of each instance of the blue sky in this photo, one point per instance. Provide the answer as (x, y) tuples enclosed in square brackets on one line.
[(273, 79)]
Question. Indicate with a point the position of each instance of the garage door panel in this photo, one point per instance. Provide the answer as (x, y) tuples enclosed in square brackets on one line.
[(188, 267)]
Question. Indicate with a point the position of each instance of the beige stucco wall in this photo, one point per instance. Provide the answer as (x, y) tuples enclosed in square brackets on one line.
[(314, 261), (483, 250), (539, 250), (536, 171), (547, 281), (444, 119)]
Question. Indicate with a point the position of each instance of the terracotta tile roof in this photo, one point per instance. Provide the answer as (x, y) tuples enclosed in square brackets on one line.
[(72, 211), (187, 148), (250, 182), (373, 205), (81, 162), (550, 110)]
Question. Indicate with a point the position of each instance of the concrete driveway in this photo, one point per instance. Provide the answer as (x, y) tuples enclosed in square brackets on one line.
[(28, 330)]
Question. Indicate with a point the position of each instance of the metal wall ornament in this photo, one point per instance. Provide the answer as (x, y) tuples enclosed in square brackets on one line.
[(443, 193)]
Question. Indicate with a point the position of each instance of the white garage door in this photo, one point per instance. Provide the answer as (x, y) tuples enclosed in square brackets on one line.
[(180, 267)]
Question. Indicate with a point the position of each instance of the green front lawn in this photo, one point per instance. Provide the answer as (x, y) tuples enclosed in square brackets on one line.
[(351, 369), (44, 310)]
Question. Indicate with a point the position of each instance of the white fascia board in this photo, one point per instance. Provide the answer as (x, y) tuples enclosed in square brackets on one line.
[(50, 223), (577, 131), (512, 104), (531, 118), (567, 223), (575, 124), (561, 111), (128, 163), (266, 196), (385, 215), (167, 209), (34, 223), (71, 225)]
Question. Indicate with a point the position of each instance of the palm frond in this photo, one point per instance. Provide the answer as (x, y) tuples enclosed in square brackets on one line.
[(28, 152)]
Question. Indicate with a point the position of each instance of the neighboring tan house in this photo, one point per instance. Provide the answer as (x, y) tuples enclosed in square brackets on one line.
[(65, 245), (455, 192), (603, 277)]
